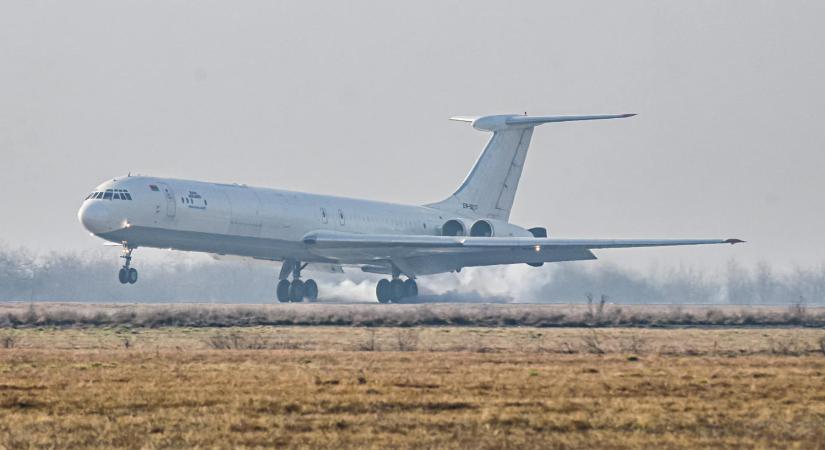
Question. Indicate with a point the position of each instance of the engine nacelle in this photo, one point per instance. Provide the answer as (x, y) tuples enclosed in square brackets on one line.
[(454, 227), (539, 232), (482, 228)]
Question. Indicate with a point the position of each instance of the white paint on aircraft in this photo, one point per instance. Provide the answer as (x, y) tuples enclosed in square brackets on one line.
[(469, 228)]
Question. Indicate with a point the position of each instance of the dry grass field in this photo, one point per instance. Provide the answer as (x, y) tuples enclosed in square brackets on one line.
[(420, 387), (597, 314)]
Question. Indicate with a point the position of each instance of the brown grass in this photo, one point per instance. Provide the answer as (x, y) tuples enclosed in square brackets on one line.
[(598, 314), (413, 387)]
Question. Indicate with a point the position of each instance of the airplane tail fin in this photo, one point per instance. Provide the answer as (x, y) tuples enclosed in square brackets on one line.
[(490, 188)]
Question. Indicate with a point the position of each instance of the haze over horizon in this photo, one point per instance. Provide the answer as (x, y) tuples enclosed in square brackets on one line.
[(352, 99)]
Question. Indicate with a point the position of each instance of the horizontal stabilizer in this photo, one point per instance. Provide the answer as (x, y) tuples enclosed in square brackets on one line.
[(509, 121)]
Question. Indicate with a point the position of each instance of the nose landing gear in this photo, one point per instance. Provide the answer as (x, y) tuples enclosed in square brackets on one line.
[(127, 275), (295, 290)]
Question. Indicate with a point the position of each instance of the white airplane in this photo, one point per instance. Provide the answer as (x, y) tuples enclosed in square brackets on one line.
[(469, 228)]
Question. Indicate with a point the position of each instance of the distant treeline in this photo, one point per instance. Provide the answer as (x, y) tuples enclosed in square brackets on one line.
[(739, 285), (92, 277)]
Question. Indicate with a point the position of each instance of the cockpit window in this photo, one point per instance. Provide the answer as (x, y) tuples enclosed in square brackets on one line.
[(111, 194)]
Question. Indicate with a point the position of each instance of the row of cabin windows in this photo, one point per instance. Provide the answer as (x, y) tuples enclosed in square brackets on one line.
[(110, 194), (189, 201)]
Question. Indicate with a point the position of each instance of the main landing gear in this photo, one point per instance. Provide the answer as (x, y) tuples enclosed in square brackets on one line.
[(396, 290), (295, 290), (127, 274)]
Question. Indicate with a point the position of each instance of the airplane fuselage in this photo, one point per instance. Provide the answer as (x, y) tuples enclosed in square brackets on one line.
[(233, 219)]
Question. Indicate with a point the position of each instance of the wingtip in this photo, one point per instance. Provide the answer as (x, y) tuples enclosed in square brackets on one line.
[(629, 115), (734, 241)]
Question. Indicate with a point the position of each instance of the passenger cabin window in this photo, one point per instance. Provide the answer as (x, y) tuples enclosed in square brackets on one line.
[(324, 215)]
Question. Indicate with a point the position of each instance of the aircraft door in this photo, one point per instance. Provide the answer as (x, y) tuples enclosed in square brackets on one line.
[(170, 199)]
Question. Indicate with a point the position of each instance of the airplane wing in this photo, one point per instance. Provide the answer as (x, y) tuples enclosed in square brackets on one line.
[(434, 254)]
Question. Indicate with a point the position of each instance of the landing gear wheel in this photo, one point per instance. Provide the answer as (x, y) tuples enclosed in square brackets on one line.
[(311, 290), (296, 291), (396, 290), (382, 291), (127, 275), (410, 288), (283, 291)]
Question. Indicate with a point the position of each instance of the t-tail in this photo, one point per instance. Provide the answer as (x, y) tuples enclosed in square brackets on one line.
[(490, 188)]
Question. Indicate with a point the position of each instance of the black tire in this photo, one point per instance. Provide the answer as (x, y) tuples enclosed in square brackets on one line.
[(133, 276), (283, 291), (296, 291), (396, 290), (382, 291), (410, 288), (123, 276), (311, 290)]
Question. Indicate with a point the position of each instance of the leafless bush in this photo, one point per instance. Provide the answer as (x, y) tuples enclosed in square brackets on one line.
[(633, 344), (8, 340), (797, 311), (407, 340), (600, 307), (822, 344), (595, 311), (30, 317), (236, 341), (592, 343), (589, 304), (715, 316), (369, 344), (789, 346), (566, 348)]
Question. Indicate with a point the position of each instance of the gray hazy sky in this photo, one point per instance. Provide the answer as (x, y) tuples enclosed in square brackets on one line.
[(352, 98)]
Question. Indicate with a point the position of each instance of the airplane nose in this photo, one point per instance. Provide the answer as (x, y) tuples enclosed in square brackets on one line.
[(95, 217)]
